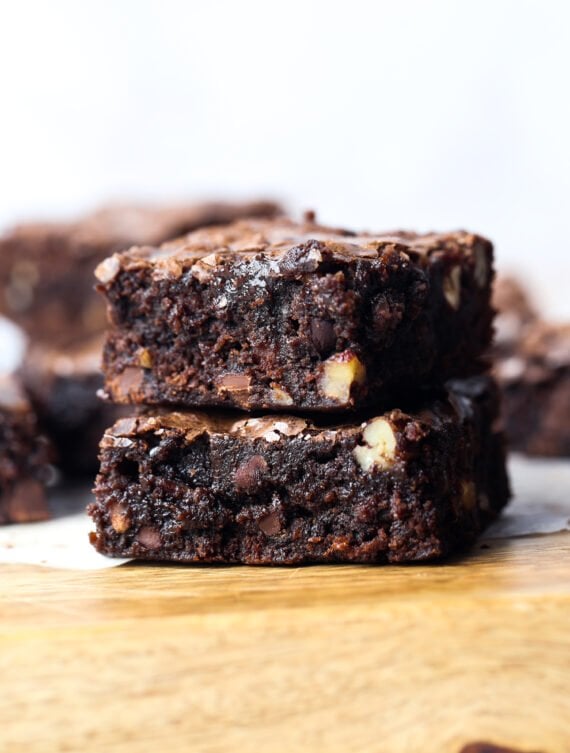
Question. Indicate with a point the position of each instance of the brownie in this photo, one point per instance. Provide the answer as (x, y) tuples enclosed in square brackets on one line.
[(46, 269), (482, 747), (24, 458), (62, 384), (532, 366), (280, 315), (402, 486), (515, 311), (534, 375)]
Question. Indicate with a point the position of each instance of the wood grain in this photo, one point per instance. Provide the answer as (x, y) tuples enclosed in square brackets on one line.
[(393, 659)]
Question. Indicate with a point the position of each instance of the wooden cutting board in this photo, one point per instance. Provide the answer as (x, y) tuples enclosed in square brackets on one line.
[(392, 659)]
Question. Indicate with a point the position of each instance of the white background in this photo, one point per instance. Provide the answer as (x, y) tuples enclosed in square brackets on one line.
[(409, 113)]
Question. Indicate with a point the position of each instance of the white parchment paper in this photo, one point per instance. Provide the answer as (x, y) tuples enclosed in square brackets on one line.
[(62, 541), (541, 499), (541, 505)]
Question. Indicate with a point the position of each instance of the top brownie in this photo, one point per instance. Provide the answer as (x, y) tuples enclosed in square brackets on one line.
[(280, 315), (46, 269)]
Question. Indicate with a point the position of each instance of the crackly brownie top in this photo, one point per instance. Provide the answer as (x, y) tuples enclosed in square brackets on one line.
[(205, 249), (124, 224), (455, 406), (378, 449), (194, 423)]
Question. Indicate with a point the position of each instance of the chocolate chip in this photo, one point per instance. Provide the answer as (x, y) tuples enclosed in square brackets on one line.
[(248, 477), (234, 383), (387, 313), (322, 336), (129, 382), (149, 537), (270, 524)]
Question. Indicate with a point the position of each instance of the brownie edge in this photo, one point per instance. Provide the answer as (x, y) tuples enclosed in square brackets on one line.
[(283, 490)]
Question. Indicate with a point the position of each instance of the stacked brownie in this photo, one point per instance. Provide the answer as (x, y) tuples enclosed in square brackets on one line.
[(46, 287), (299, 394)]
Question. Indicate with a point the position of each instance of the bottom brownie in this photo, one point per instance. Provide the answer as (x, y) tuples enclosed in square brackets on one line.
[(400, 487), (24, 458)]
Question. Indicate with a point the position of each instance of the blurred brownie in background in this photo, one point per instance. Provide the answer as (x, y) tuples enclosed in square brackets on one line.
[(25, 457), (515, 311), (535, 380), (532, 366), (62, 385), (46, 269)]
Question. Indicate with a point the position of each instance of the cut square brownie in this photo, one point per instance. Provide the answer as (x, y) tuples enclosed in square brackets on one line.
[(278, 315), (24, 458), (515, 312), (402, 486), (46, 269)]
